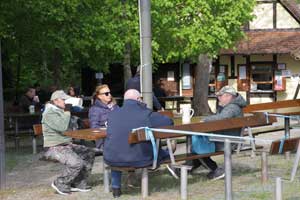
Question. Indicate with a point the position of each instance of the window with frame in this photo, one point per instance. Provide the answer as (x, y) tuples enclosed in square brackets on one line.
[(261, 77)]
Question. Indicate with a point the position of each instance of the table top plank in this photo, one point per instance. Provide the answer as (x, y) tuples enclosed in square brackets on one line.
[(87, 134), (271, 105), (283, 111), (258, 119)]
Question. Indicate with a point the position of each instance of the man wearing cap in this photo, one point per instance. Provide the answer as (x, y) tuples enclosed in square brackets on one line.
[(78, 159), (230, 106)]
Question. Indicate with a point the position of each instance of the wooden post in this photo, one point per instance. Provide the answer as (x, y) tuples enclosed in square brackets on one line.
[(287, 155), (278, 191), (264, 167)]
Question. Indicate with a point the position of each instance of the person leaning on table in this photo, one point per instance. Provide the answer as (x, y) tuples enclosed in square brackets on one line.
[(78, 159), (117, 151), (103, 104), (230, 106)]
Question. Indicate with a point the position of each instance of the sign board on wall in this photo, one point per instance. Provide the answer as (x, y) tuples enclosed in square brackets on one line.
[(99, 75), (186, 76), (170, 76)]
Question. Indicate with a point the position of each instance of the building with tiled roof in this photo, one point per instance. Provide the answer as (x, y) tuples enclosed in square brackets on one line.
[(265, 66)]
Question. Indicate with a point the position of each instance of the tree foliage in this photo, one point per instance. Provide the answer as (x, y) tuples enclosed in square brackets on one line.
[(53, 39), (198, 29)]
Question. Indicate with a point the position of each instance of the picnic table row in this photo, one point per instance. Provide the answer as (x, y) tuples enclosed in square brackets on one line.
[(257, 119), (138, 136)]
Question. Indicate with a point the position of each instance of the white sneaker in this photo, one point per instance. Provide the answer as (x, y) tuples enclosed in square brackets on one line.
[(73, 189), (59, 191), (172, 171)]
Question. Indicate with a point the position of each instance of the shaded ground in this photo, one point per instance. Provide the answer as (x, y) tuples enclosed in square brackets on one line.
[(30, 178)]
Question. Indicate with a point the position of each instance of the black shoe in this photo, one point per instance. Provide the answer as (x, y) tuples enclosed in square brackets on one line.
[(216, 174), (98, 152), (116, 192)]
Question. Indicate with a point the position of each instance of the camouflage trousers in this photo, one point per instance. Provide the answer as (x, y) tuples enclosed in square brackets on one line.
[(78, 161)]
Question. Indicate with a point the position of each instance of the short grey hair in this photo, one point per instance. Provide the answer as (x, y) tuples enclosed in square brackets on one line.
[(132, 94)]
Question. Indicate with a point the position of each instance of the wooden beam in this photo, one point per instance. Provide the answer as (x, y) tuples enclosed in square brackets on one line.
[(258, 119)]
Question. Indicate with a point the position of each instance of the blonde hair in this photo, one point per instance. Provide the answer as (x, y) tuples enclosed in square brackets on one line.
[(97, 92)]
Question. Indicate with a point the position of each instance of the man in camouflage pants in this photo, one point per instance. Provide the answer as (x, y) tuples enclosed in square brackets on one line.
[(78, 159)]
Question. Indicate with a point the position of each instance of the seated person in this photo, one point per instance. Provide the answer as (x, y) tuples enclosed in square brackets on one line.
[(71, 92), (28, 99), (41, 93), (78, 159), (103, 104), (74, 99), (230, 106), (135, 83), (117, 151)]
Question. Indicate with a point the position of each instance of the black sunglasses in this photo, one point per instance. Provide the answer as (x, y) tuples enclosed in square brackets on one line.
[(106, 93)]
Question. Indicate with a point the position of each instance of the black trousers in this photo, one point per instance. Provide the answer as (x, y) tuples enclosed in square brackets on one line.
[(212, 165)]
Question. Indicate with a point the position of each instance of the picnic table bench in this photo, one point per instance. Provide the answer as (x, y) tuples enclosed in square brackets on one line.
[(287, 107), (139, 136), (227, 124)]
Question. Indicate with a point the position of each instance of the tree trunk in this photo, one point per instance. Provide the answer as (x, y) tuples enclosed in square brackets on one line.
[(200, 100), (19, 65), (126, 63), (56, 64)]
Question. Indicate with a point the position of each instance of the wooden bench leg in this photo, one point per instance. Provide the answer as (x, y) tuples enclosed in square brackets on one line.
[(34, 144), (106, 178), (169, 144), (253, 148), (145, 191)]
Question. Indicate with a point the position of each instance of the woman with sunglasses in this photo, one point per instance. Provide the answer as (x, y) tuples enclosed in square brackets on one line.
[(103, 103)]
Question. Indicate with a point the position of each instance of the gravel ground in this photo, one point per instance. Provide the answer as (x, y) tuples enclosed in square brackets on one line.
[(31, 178)]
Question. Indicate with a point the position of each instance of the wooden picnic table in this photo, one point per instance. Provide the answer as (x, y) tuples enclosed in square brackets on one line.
[(271, 105), (21, 122), (139, 136), (287, 111)]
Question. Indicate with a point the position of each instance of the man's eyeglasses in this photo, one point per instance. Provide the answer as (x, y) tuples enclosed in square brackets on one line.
[(105, 93)]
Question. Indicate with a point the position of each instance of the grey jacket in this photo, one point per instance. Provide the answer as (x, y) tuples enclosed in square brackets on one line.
[(231, 110), (55, 122)]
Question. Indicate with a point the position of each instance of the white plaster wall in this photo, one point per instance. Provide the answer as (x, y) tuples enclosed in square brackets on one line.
[(264, 16), (284, 19)]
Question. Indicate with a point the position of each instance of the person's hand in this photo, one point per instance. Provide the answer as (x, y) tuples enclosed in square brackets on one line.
[(36, 99)]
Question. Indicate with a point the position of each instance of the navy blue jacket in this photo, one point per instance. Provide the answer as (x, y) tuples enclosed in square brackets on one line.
[(133, 114), (135, 83), (98, 114)]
